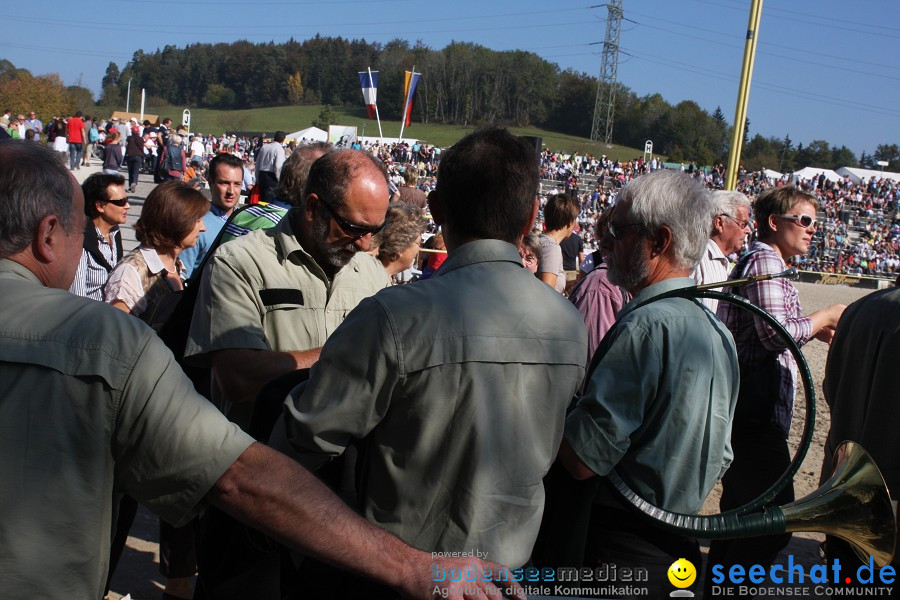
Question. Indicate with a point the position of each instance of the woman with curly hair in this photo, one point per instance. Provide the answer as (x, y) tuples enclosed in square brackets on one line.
[(399, 241)]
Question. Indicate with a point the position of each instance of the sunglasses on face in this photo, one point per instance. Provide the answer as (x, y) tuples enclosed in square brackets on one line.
[(350, 228), (803, 221), (617, 230), (120, 202)]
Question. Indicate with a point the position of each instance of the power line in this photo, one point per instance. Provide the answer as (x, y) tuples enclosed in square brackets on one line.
[(767, 86), (765, 44), (102, 54), (293, 26), (742, 8)]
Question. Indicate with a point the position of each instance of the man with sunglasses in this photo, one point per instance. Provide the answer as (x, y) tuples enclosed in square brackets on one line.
[(106, 206), (730, 226), (269, 300), (454, 388), (660, 393)]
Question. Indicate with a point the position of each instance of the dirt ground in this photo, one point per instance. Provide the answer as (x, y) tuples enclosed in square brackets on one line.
[(805, 546), (138, 573)]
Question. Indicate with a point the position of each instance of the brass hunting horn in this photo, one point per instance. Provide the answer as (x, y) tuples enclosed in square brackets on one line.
[(853, 505)]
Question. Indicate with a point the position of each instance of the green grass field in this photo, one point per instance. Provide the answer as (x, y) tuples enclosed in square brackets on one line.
[(294, 118)]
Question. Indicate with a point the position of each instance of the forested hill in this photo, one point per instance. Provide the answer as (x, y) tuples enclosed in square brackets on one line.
[(462, 83)]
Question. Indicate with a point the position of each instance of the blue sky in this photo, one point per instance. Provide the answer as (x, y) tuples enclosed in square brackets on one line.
[(824, 69)]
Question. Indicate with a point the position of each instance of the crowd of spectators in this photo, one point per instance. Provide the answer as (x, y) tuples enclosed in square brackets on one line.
[(860, 221), (859, 232)]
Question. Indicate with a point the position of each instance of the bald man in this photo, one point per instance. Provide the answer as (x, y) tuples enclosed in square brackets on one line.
[(270, 299)]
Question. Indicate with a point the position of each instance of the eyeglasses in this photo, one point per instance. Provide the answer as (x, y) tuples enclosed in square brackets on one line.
[(738, 222), (617, 231), (120, 202), (804, 221), (529, 258), (350, 228)]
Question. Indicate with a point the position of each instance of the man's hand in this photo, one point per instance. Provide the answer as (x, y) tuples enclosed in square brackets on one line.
[(242, 372), (429, 578)]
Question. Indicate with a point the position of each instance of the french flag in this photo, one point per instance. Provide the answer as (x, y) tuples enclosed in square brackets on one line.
[(369, 82), (410, 82)]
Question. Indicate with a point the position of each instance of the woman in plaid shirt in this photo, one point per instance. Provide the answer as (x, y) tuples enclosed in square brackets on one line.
[(786, 222)]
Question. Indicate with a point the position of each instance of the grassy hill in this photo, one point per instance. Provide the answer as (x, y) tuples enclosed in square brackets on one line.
[(293, 118)]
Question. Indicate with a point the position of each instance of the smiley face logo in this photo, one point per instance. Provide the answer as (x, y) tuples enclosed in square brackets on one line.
[(682, 573)]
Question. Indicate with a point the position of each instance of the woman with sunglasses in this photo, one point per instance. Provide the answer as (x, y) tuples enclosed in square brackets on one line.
[(786, 222)]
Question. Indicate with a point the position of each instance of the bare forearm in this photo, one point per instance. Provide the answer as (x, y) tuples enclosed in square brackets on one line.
[(241, 373), (277, 496), (272, 493), (826, 317)]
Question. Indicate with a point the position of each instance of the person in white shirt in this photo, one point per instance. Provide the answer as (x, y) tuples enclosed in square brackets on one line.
[(268, 166), (730, 227)]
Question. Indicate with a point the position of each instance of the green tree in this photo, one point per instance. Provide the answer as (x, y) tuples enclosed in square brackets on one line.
[(112, 75), (111, 98), (816, 154), (720, 133), (889, 153), (641, 120), (760, 153), (326, 117), (82, 98), (573, 108), (218, 96), (687, 127), (787, 154), (843, 157), (8, 71)]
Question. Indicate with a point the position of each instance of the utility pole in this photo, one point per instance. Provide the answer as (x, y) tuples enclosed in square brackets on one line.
[(604, 107)]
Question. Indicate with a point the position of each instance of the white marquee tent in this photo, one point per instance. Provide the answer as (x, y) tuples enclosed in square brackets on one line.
[(857, 175), (310, 133), (810, 172)]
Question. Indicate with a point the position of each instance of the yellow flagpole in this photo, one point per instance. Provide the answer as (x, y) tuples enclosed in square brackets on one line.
[(740, 112)]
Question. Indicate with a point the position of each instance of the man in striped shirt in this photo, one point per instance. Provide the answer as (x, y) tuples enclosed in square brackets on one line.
[(106, 205), (291, 183)]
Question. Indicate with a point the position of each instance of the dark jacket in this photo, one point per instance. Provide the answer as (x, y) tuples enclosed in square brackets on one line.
[(134, 146)]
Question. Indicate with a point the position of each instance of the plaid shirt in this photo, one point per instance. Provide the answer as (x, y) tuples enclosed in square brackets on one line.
[(755, 339)]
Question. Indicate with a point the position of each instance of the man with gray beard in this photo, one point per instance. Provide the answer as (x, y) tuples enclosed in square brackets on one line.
[(269, 299), (660, 393)]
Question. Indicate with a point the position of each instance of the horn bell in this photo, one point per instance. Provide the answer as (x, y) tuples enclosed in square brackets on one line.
[(853, 505)]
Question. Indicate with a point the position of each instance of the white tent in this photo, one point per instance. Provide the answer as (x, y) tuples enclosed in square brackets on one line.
[(858, 175), (310, 133), (772, 174), (811, 172)]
